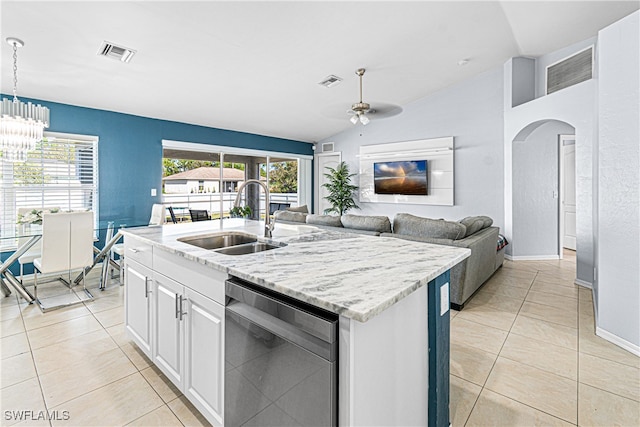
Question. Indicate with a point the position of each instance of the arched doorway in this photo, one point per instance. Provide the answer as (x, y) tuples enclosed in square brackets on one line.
[(536, 190)]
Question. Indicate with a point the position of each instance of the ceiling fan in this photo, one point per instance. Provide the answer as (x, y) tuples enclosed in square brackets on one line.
[(360, 111)]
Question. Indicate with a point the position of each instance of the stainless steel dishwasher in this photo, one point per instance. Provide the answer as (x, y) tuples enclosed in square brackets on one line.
[(281, 360)]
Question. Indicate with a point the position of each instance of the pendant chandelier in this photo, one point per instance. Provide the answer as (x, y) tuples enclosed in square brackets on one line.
[(21, 124)]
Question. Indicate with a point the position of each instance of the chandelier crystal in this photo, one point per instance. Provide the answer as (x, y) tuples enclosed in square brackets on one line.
[(21, 124)]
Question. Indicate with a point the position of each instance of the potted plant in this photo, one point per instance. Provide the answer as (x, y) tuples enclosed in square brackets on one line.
[(341, 191), (240, 212)]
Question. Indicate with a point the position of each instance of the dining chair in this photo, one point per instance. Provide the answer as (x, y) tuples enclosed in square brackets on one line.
[(157, 214), (173, 215), (34, 251), (67, 245), (199, 215)]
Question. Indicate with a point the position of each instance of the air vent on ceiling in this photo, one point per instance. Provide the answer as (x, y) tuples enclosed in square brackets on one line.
[(120, 53), (330, 81), (570, 71), (327, 147)]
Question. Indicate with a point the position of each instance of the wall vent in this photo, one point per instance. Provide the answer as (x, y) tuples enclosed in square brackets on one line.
[(570, 71), (330, 81), (113, 51), (327, 147)]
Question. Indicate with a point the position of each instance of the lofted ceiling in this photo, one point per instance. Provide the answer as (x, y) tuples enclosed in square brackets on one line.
[(255, 66)]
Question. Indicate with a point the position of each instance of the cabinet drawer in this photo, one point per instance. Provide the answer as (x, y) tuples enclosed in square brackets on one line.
[(138, 251), (203, 279)]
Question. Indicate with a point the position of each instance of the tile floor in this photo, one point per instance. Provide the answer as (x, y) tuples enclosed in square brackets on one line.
[(523, 353), (77, 363)]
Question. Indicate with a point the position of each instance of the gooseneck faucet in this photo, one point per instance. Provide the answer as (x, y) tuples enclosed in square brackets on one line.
[(268, 225)]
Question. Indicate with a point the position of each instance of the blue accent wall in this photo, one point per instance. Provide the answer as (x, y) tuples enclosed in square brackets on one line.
[(130, 153)]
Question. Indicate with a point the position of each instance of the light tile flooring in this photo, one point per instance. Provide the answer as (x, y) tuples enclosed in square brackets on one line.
[(77, 364), (523, 353)]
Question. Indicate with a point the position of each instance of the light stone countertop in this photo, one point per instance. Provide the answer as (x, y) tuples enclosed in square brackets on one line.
[(355, 276)]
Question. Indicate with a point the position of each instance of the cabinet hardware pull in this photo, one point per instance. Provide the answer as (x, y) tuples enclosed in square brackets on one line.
[(146, 287), (181, 312), (176, 306), (134, 250)]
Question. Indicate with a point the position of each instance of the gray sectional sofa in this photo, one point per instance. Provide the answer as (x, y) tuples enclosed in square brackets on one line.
[(475, 233)]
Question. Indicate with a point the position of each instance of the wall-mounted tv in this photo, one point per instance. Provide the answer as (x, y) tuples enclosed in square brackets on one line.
[(408, 177)]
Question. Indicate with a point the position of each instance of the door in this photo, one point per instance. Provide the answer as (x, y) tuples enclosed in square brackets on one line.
[(203, 356), (568, 199), (323, 161), (168, 330), (137, 304)]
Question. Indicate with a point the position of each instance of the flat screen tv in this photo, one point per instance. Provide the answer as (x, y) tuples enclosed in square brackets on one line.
[(408, 177)]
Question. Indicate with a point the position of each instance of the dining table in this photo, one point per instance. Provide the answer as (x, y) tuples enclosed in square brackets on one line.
[(26, 236)]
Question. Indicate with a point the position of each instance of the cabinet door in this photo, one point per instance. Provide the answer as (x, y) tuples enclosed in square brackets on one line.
[(168, 330), (204, 356), (138, 304)]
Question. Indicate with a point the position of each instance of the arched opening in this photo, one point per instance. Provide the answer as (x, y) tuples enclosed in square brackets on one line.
[(538, 210)]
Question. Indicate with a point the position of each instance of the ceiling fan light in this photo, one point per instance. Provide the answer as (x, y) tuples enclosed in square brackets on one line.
[(354, 119), (364, 119)]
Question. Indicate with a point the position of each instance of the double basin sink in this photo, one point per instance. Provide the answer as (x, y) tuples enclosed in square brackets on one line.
[(231, 243)]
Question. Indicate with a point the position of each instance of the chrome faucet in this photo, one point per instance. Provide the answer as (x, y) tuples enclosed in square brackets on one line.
[(268, 225)]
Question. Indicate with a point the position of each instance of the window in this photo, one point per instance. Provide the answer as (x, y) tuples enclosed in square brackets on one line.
[(62, 172), (224, 169)]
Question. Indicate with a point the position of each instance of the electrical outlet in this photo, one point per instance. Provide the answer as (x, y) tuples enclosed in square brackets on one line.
[(444, 299), (154, 192)]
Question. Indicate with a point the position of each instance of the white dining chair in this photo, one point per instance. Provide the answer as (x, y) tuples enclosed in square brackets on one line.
[(157, 214), (67, 245), (34, 251)]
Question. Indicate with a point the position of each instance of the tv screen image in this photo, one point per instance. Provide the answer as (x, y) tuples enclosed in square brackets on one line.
[(406, 177)]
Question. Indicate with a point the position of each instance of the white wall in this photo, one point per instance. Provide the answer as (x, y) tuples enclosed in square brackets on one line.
[(471, 112), (576, 106), (618, 290), (535, 192)]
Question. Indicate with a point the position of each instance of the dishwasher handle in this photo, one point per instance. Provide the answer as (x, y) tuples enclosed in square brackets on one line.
[(284, 330), (313, 321)]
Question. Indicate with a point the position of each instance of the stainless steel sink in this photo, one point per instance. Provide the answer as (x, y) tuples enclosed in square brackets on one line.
[(219, 240), (249, 248)]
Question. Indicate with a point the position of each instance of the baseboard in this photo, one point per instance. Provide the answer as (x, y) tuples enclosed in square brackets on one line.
[(533, 258), (583, 283), (614, 339)]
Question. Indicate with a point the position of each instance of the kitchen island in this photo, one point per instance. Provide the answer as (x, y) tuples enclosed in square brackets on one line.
[(393, 329)]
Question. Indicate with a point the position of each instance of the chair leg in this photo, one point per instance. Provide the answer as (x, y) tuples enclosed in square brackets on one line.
[(21, 271), (35, 285)]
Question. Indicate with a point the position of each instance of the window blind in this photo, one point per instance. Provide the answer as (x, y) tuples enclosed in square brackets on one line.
[(62, 172)]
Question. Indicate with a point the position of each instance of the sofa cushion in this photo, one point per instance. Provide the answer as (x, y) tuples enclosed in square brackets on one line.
[(473, 225), (407, 224), (303, 209), (488, 222), (380, 224), (330, 220), (290, 216)]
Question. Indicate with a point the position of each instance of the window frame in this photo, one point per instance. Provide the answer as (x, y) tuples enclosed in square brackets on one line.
[(9, 212)]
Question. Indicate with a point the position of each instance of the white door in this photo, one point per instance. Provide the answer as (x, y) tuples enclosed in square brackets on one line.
[(138, 304), (568, 201), (323, 161), (204, 355), (168, 328)]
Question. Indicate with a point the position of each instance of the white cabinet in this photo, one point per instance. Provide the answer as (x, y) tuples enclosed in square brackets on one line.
[(138, 280), (188, 343), (204, 355), (168, 328)]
